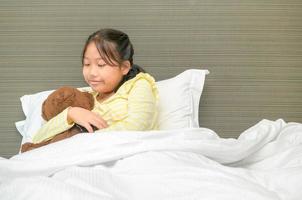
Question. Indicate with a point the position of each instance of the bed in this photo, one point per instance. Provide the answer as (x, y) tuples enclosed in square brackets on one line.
[(236, 66), (181, 160)]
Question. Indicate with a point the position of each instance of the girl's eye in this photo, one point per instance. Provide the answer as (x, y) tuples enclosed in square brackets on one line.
[(101, 65), (86, 64)]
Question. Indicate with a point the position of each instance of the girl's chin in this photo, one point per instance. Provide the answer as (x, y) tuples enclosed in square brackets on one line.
[(97, 88), (94, 87)]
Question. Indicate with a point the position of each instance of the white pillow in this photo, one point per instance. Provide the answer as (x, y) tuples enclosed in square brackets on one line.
[(179, 99), (32, 108), (178, 104)]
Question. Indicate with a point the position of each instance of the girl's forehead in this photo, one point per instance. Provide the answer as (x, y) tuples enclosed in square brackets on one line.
[(92, 52), (108, 53)]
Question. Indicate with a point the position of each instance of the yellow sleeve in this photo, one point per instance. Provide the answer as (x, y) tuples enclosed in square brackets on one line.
[(142, 109), (51, 128)]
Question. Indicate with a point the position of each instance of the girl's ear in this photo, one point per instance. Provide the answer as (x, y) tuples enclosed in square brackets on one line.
[(125, 67)]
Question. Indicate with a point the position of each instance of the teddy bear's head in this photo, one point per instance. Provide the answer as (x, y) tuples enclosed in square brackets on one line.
[(64, 97)]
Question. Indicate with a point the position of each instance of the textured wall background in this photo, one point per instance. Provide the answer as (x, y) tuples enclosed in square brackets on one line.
[(252, 48)]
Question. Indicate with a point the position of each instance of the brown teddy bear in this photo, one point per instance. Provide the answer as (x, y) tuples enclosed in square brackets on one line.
[(55, 103)]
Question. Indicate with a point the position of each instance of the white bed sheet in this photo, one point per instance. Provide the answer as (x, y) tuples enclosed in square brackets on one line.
[(265, 162)]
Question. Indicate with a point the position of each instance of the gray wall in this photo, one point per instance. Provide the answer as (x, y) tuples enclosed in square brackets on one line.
[(252, 49)]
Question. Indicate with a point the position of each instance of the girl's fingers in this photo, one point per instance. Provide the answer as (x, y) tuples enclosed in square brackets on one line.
[(91, 119), (100, 124), (105, 125), (96, 124), (88, 127)]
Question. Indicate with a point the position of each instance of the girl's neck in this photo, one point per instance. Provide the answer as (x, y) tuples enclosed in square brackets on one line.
[(103, 96)]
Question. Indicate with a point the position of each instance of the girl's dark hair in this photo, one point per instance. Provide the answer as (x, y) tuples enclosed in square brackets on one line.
[(114, 47)]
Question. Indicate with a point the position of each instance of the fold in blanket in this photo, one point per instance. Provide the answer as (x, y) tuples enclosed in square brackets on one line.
[(265, 162)]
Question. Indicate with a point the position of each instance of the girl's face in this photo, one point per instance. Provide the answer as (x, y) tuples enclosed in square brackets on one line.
[(101, 77)]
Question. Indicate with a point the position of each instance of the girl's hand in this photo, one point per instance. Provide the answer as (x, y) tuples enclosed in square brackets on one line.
[(85, 118)]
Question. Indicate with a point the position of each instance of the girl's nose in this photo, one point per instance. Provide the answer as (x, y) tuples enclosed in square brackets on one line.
[(93, 70)]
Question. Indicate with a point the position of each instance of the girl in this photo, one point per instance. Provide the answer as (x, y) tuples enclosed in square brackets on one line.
[(125, 96)]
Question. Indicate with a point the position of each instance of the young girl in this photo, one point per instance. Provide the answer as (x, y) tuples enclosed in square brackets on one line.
[(125, 96)]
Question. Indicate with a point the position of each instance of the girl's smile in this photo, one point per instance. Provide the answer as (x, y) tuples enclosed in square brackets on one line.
[(94, 82), (100, 76)]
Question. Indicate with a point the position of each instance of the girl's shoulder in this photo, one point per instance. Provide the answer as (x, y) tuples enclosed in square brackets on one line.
[(142, 76), (136, 82)]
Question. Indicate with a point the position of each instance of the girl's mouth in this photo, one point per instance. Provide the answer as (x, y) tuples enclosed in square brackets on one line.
[(95, 82)]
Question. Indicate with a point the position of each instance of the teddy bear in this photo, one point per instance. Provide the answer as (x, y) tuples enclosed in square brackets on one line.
[(54, 104)]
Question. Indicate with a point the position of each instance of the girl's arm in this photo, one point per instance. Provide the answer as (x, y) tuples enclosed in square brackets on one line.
[(51, 128), (142, 109)]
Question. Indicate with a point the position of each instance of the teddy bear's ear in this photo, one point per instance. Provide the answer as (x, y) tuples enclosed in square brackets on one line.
[(44, 112)]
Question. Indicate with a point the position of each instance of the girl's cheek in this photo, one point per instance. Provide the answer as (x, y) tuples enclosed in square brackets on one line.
[(84, 74)]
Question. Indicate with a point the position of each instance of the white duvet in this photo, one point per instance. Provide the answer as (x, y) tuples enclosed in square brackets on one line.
[(265, 162)]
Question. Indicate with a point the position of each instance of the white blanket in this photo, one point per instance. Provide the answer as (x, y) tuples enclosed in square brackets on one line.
[(265, 162)]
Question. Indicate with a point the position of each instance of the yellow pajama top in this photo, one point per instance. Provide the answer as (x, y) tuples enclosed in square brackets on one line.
[(132, 107)]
